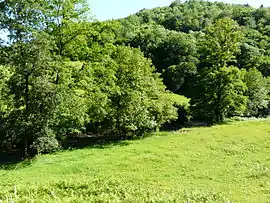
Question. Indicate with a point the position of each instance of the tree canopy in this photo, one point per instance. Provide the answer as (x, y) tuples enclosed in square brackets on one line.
[(62, 72)]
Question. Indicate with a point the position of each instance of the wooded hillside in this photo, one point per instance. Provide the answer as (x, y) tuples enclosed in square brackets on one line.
[(63, 73)]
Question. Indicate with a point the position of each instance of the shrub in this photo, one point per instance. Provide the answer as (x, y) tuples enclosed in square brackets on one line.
[(182, 104), (45, 143)]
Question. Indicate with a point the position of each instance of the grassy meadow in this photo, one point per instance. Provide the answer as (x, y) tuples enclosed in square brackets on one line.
[(225, 163)]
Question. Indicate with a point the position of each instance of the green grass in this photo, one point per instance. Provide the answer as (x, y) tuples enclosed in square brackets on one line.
[(227, 163)]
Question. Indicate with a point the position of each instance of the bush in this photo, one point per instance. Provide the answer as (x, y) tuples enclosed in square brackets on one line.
[(182, 105), (45, 144)]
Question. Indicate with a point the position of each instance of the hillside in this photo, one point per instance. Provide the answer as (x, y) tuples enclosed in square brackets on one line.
[(226, 163), (61, 73)]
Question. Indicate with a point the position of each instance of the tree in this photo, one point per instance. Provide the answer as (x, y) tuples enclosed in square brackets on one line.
[(257, 93), (66, 24), (254, 52), (65, 21), (221, 44), (176, 58), (33, 90), (125, 96), (174, 54), (176, 3), (62, 73), (220, 94), (31, 83), (220, 88)]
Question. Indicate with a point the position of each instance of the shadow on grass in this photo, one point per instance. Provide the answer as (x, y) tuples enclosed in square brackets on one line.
[(168, 127), (13, 161), (103, 142), (100, 142)]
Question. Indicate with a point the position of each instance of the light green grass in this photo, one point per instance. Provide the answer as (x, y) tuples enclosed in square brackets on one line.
[(227, 163)]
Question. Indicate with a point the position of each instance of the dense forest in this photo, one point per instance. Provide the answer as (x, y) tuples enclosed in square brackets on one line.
[(64, 73)]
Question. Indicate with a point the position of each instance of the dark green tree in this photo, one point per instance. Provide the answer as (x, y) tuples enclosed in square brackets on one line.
[(174, 54), (220, 88), (30, 85)]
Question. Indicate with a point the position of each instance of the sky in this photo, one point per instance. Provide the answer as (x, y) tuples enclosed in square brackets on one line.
[(113, 9)]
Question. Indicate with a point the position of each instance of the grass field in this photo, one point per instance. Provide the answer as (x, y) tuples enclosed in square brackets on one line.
[(227, 163)]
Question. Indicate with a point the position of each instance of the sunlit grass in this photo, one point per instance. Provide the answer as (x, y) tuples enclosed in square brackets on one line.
[(226, 163)]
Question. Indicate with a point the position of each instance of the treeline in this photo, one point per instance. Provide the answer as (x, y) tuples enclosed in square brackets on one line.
[(64, 73), (217, 54)]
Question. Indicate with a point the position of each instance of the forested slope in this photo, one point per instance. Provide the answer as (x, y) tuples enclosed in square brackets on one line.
[(63, 73), (189, 42)]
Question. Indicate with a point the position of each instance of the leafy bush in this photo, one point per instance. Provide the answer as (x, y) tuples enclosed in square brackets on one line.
[(182, 104), (44, 145)]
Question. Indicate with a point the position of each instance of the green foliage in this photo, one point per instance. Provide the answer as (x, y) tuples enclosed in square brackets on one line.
[(62, 73), (71, 104), (257, 93), (45, 142), (178, 100), (125, 94), (182, 104), (67, 25), (263, 65), (174, 54), (221, 43), (40, 77), (177, 59), (220, 88), (32, 90), (6, 99), (220, 95)]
